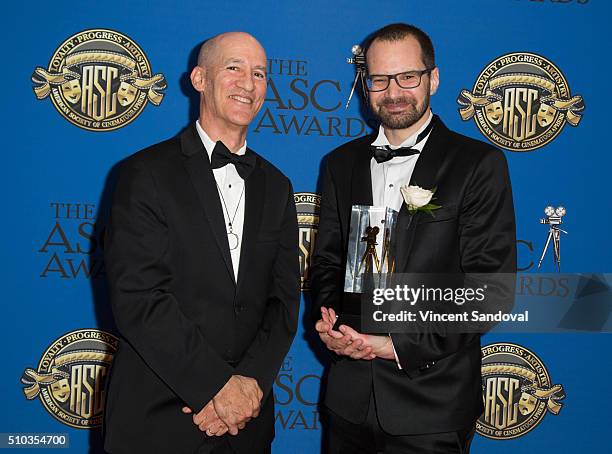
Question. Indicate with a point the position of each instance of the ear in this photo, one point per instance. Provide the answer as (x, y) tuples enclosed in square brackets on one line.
[(434, 80), (198, 78)]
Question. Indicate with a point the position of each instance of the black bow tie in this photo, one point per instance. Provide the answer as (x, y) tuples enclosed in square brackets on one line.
[(384, 153), (221, 157)]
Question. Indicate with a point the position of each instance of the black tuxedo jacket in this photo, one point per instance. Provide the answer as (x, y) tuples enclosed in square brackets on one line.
[(186, 325), (439, 387)]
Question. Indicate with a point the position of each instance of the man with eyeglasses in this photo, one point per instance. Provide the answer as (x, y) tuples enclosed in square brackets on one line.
[(408, 392)]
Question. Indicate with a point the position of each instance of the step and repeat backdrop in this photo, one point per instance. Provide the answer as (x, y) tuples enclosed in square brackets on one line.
[(86, 84)]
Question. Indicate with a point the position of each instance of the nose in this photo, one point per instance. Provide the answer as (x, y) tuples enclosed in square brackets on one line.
[(246, 81), (394, 89)]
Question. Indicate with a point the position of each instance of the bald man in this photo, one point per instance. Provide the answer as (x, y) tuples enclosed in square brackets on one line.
[(202, 263)]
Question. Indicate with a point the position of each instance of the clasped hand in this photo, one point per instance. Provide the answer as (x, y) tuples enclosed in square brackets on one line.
[(348, 342), (234, 405)]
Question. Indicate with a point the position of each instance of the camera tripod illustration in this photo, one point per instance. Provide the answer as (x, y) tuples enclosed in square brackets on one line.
[(553, 219), (370, 256)]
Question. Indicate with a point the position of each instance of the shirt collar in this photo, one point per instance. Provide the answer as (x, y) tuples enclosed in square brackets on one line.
[(381, 139), (209, 145)]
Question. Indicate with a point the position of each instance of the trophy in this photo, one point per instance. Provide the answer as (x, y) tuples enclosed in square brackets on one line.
[(370, 255), (553, 218)]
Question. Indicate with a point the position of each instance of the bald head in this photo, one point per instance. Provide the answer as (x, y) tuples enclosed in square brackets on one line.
[(231, 79), (209, 51)]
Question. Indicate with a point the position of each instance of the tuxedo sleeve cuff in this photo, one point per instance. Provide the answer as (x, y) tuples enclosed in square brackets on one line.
[(397, 361)]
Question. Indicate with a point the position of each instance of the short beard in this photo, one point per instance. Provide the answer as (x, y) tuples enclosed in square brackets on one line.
[(403, 121)]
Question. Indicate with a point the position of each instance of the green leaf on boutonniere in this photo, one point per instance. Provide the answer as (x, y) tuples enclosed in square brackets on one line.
[(429, 209)]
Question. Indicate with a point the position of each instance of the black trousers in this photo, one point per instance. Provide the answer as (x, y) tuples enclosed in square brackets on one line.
[(220, 445), (369, 438)]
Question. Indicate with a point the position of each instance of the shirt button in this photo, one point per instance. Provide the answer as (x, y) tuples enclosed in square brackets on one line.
[(229, 185), (391, 185)]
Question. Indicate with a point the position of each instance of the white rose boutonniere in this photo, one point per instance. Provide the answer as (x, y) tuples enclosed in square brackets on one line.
[(418, 199)]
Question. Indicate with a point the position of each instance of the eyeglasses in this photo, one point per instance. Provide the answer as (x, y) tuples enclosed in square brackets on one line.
[(408, 79)]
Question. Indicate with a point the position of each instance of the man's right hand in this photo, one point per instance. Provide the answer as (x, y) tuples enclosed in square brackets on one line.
[(208, 421), (338, 342), (237, 402)]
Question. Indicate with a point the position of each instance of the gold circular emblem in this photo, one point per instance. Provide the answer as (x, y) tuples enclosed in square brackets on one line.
[(517, 391), (99, 80), (521, 101), (308, 205), (71, 377)]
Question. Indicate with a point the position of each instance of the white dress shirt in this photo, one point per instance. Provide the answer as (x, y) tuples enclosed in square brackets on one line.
[(231, 194), (389, 176)]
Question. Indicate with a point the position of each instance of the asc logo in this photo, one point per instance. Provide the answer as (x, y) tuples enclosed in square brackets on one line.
[(71, 377), (517, 392), (296, 398), (99, 80), (308, 206), (520, 102)]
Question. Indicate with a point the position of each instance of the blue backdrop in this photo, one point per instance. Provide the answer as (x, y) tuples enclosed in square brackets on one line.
[(53, 277)]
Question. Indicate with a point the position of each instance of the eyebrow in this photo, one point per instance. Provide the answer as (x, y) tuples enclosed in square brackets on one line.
[(403, 72), (240, 60), (233, 60)]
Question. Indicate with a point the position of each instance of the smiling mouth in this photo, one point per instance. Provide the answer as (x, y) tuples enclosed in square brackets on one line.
[(396, 108), (241, 99)]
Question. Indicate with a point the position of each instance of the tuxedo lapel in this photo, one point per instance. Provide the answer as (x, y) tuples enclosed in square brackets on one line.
[(198, 166), (426, 169), (361, 179), (254, 190), (425, 175)]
